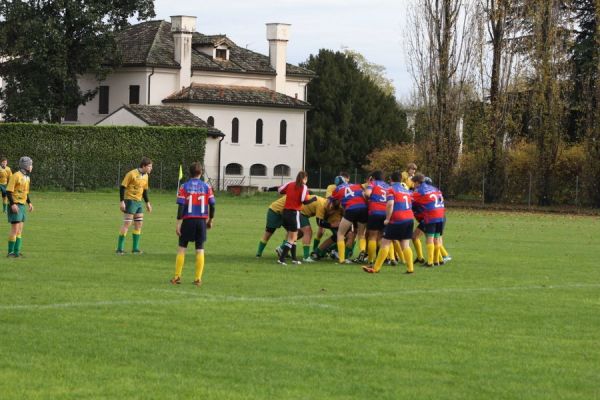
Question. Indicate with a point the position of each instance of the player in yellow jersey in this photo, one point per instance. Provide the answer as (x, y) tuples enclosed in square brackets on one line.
[(274, 221), (133, 189), (5, 174), (411, 170), (17, 192)]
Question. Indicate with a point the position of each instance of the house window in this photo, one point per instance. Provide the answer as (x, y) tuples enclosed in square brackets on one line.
[(259, 131), (258, 170), (210, 121), (71, 114), (281, 170), (233, 169), (283, 132), (103, 100), (134, 94), (221, 54), (235, 131)]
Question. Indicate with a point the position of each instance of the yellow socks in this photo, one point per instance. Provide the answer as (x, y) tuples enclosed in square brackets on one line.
[(372, 250), (179, 260), (341, 248), (381, 256), (430, 253), (399, 252), (362, 244), (444, 252), (418, 248), (199, 266), (391, 253), (408, 256)]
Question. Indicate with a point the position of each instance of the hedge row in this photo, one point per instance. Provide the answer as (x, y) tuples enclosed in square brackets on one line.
[(90, 157)]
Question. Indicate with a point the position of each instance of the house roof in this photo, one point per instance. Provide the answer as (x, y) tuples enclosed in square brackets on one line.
[(235, 95), (168, 116), (151, 44)]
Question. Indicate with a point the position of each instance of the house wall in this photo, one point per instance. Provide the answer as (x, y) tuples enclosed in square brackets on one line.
[(247, 152)]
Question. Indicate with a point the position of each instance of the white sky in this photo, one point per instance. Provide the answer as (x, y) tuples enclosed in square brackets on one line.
[(371, 27)]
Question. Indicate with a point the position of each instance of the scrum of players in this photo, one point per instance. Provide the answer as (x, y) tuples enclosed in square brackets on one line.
[(377, 216)]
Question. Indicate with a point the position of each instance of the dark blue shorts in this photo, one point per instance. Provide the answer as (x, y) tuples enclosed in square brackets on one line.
[(401, 231), (357, 215), (434, 228), (375, 222), (193, 230)]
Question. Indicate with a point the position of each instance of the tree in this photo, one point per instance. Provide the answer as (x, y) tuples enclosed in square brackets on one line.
[(47, 44), (351, 115), (375, 72)]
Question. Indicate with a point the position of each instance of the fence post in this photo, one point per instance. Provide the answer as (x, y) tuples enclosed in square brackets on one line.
[(320, 186), (118, 173), (577, 191), (73, 178), (529, 196), (440, 180), (483, 189)]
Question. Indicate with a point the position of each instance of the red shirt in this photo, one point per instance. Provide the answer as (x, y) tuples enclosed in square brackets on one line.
[(295, 195), (378, 198), (350, 196), (402, 198), (431, 201)]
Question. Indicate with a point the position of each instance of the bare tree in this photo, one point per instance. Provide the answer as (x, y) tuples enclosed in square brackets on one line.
[(440, 44)]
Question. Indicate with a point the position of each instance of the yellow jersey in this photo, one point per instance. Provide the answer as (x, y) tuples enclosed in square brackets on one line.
[(135, 183), (5, 174), (18, 185), (278, 205), (316, 208), (407, 181)]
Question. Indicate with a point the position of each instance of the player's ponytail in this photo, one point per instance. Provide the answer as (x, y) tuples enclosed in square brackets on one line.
[(302, 175)]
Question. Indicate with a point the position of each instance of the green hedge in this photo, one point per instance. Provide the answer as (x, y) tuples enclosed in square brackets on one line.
[(73, 157)]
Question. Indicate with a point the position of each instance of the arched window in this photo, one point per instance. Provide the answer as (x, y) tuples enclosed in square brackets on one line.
[(258, 170), (281, 170), (233, 169), (211, 121), (283, 132), (259, 131), (235, 130)]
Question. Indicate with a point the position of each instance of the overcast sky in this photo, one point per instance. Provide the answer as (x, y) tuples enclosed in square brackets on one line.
[(372, 27)]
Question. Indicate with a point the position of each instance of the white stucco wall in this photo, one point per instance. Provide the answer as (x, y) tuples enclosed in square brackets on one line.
[(246, 153)]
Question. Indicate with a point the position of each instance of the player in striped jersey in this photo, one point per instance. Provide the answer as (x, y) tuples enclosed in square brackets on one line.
[(352, 200), (431, 200), (398, 222), (376, 193), (195, 214)]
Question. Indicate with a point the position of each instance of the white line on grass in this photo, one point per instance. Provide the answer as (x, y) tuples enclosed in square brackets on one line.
[(288, 300)]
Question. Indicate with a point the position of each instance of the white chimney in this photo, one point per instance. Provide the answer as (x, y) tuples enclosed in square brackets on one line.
[(182, 28), (278, 36)]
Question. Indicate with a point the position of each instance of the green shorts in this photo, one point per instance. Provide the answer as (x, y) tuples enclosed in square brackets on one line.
[(3, 190), (274, 220), (304, 221), (134, 207), (19, 216)]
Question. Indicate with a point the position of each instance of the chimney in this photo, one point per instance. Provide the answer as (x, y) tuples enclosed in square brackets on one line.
[(278, 35), (182, 28)]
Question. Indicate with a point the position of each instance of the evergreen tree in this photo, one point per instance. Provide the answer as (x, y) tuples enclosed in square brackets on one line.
[(351, 115), (45, 45)]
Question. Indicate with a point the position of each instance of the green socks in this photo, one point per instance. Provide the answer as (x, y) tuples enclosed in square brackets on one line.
[(261, 248), (136, 240), (306, 251), (17, 246), (121, 243)]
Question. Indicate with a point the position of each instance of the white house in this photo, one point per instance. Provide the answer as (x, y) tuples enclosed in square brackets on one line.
[(257, 101)]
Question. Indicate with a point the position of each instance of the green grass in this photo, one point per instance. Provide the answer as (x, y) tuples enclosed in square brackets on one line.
[(516, 314)]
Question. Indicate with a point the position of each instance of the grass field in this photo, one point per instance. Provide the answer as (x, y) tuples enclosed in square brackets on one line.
[(515, 315)]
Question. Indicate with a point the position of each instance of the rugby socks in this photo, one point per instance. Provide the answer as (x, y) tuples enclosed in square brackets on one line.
[(179, 260), (11, 244), (444, 251), (430, 253), (306, 249), (381, 256), (350, 250), (399, 251), (418, 248), (18, 244), (136, 235), (199, 266), (4, 205), (408, 256), (284, 253), (121, 243), (261, 248), (362, 245), (391, 253), (293, 251), (341, 248), (437, 254), (371, 250), (316, 243)]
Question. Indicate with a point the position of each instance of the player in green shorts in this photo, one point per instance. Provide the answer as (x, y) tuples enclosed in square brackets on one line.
[(17, 192)]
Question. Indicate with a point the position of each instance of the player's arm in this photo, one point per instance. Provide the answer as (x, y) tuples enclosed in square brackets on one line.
[(389, 210), (147, 200), (10, 188), (122, 198), (28, 200), (211, 215), (180, 209)]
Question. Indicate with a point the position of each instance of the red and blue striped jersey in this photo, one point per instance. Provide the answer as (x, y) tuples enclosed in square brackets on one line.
[(351, 196), (431, 200), (195, 196), (402, 198), (378, 198)]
